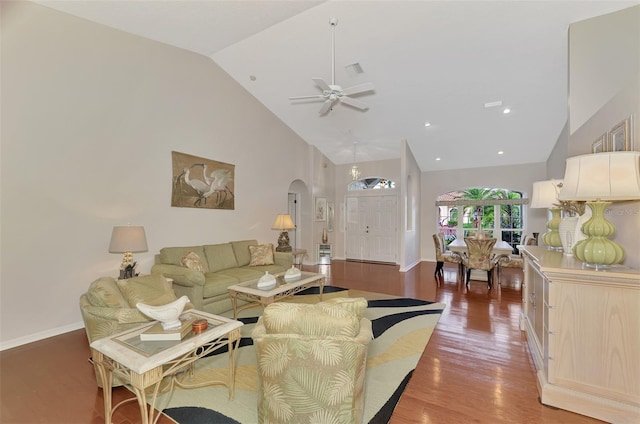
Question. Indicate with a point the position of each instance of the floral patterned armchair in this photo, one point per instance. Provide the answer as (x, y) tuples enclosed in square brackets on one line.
[(312, 361), (479, 255)]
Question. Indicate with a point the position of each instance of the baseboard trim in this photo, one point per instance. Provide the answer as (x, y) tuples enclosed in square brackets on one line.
[(9, 344)]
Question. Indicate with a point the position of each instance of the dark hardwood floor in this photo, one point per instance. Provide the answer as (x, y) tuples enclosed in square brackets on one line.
[(475, 369)]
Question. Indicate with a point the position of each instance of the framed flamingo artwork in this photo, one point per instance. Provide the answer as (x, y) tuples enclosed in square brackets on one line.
[(202, 183)]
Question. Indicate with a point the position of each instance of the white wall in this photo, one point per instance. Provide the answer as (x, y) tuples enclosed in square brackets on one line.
[(409, 230), (603, 57), (90, 116), (602, 95), (517, 177)]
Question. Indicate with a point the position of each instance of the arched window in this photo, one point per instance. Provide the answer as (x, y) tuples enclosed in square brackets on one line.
[(496, 211), (372, 183)]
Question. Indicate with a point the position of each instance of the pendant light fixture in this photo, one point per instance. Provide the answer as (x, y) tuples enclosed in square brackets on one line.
[(354, 172)]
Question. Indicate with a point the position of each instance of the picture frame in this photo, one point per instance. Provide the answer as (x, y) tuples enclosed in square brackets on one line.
[(620, 138), (201, 183), (600, 145), (321, 209), (330, 216)]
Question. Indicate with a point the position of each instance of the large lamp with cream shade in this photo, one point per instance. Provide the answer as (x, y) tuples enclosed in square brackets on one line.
[(600, 179), (283, 223), (545, 195)]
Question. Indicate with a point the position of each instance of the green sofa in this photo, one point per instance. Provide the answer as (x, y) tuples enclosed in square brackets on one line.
[(217, 266)]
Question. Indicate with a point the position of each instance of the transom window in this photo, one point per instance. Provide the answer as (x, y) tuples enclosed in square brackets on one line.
[(495, 211), (372, 183)]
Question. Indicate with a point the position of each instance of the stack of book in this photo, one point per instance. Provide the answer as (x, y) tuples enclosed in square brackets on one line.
[(157, 333)]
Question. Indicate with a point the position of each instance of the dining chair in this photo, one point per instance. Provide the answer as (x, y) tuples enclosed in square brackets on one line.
[(443, 255), (479, 255)]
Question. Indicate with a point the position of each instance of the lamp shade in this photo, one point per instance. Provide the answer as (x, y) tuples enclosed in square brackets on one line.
[(128, 239), (545, 194), (283, 222), (605, 176)]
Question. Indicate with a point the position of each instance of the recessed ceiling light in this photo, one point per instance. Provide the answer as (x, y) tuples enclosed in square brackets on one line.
[(507, 110), (500, 152), (437, 158), (252, 77), (427, 124)]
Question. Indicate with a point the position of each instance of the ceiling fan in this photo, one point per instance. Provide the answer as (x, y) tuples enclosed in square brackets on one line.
[(332, 93)]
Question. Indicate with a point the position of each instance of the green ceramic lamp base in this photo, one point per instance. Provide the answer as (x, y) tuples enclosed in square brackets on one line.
[(552, 237), (597, 251)]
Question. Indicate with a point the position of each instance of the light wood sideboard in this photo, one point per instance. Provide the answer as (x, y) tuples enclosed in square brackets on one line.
[(583, 332)]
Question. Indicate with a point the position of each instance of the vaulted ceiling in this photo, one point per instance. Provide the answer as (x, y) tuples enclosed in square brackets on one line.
[(448, 63)]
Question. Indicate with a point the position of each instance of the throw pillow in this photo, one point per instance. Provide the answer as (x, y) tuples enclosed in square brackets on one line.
[(192, 261), (261, 254)]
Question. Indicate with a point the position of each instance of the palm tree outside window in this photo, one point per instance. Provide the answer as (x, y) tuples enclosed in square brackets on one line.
[(496, 211)]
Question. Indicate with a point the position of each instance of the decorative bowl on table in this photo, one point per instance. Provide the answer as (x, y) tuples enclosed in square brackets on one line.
[(292, 273), (267, 281), (168, 314)]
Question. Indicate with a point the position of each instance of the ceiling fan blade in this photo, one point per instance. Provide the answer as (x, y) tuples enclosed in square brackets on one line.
[(320, 83), (315, 96), (353, 102), (326, 106), (357, 89)]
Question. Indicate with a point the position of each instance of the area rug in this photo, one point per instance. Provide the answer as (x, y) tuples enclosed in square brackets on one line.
[(401, 328)]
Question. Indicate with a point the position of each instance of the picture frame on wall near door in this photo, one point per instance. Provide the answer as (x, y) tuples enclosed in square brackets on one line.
[(321, 209)]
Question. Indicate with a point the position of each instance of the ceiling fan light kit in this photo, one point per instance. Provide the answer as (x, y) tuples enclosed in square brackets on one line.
[(332, 93)]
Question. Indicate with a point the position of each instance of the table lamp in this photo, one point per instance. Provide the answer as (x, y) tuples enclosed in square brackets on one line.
[(545, 195), (600, 179), (283, 223), (128, 240)]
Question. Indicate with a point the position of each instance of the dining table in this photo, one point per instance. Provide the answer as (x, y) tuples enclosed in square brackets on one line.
[(500, 248)]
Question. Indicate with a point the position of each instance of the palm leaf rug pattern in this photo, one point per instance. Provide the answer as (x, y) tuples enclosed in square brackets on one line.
[(401, 327)]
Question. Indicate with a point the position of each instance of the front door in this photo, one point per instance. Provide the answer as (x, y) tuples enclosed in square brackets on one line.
[(371, 228)]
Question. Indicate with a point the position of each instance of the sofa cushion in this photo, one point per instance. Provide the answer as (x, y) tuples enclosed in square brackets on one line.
[(192, 261), (105, 292), (174, 255), (243, 274), (322, 320), (241, 250), (216, 284), (220, 257), (261, 254), (150, 289)]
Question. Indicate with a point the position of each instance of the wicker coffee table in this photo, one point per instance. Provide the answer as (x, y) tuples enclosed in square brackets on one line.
[(250, 292)]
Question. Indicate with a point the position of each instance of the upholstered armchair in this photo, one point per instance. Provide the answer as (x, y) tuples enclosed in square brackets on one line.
[(109, 306), (312, 361), (479, 255), (442, 256)]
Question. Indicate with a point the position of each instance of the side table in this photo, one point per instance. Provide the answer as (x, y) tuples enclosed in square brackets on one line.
[(140, 364), (298, 256)]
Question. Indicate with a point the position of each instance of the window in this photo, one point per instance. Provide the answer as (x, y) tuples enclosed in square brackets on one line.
[(373, 183), (496, 211)]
